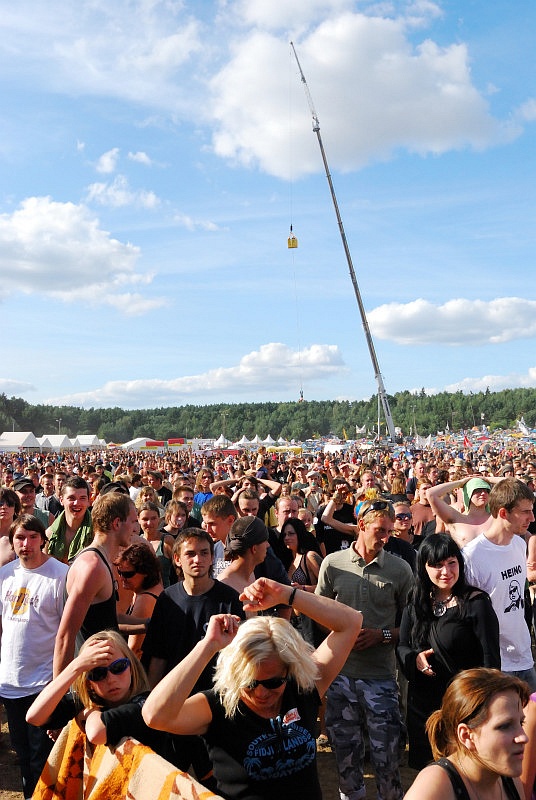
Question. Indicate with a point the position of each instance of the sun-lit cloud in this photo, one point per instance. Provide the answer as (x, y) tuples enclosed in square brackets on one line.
[(140, 158), (375, 91), (495, 383), (118, 194), (107, 163), (60, 250), (457, 322), (272, 364)]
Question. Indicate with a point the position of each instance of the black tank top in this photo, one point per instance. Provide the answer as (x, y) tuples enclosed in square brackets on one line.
[(460, 789), (100, 616)]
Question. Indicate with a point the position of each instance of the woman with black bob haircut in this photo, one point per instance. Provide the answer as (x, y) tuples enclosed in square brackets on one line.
[(447, 626)]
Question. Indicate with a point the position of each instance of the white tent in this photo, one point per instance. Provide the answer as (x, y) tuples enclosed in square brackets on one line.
[(135, 444), (18, 440), (221, 441), (56, 441), (281, 440), (86, 440), (256, 440), (268, 440), (244, 441)]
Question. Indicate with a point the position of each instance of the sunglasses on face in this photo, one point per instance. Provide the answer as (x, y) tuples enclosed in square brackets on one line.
[(116, 668), (126, 573), (268, 683), (403, 516)]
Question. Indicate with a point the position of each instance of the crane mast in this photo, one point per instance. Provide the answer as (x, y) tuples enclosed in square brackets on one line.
[(377, 373)]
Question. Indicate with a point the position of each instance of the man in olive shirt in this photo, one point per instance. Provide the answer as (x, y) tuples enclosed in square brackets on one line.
[(365, 693)]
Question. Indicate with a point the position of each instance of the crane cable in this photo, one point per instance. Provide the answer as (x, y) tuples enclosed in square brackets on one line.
[(292, 241)]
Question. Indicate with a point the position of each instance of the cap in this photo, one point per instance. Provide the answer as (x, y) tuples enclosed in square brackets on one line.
[(20, 483)]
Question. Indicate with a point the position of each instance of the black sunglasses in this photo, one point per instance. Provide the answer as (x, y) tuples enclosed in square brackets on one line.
[(378, 505), (126, 573), (403, 516), (268, 683), (116, 668)]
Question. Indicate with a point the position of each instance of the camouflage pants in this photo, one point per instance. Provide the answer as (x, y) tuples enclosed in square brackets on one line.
[(354, 706)]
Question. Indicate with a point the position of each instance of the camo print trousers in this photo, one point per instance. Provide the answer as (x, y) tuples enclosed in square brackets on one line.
[(353, 707)]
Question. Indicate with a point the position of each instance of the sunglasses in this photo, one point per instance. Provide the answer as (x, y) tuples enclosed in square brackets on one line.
[(378, 505), (268, 683), (403, 516), (126, 573), (116, 668)]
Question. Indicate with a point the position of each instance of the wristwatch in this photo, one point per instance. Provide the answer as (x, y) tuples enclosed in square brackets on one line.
[(387, 636)]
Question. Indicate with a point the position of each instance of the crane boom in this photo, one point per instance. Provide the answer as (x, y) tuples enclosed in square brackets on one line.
[(377, 373)]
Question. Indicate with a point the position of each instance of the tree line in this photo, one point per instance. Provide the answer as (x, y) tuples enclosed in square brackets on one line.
[(411, 412)]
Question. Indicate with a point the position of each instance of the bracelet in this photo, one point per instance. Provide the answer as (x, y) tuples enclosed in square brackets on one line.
[(291, 597)]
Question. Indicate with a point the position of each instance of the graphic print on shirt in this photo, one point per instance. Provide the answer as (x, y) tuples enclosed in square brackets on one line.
[(516, 597), (20, 601), (287, 749)]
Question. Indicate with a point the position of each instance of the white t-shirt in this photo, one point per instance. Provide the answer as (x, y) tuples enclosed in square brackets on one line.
[(501, 571), (31, 604)]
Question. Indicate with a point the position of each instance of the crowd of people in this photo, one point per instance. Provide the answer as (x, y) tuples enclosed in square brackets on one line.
[(233, 613)]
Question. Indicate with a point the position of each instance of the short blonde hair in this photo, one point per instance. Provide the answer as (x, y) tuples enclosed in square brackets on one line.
[(138, 678), (257, 639)]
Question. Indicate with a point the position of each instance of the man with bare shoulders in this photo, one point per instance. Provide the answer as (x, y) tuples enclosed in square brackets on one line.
[(72, 530), (91, 590), (475, 519)]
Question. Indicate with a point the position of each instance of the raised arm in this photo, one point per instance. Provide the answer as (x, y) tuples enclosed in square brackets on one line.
[(329, 519), (96, 654), (169, 707), (343, 622), (441, 509)]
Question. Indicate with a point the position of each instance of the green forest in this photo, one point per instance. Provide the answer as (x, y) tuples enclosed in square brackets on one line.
[(411, 412)]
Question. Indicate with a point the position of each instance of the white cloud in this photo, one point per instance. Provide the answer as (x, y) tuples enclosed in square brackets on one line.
[(107, 163), (141, 158), (273, 364), (132, 50), (118, 194), (59, 250), (185, 221), (13, 388), (457, 322), (495, 383), (373, 89), (527, 111)]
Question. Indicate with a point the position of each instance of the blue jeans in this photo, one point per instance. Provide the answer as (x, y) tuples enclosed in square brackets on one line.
[(31, 744), (528, 675)]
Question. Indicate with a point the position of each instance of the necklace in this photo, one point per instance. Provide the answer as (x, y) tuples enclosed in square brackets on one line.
[(439, 606), (473, 787)]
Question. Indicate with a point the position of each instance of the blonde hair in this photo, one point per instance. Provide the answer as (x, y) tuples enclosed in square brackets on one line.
[(257, 639), (138, 678)]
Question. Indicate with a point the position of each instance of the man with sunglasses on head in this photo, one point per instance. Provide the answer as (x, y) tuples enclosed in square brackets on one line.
[(364, 696)]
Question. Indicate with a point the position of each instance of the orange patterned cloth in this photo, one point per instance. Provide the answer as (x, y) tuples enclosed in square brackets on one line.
[(78, 770)]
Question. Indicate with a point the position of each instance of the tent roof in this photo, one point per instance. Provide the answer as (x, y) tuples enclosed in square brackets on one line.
[(17, 439), (60, 440)]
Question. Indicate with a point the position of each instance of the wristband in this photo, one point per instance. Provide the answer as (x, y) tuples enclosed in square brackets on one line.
[(291, 597)]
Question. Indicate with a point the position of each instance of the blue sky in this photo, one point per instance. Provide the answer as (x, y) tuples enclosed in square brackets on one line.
[(154, 154)]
